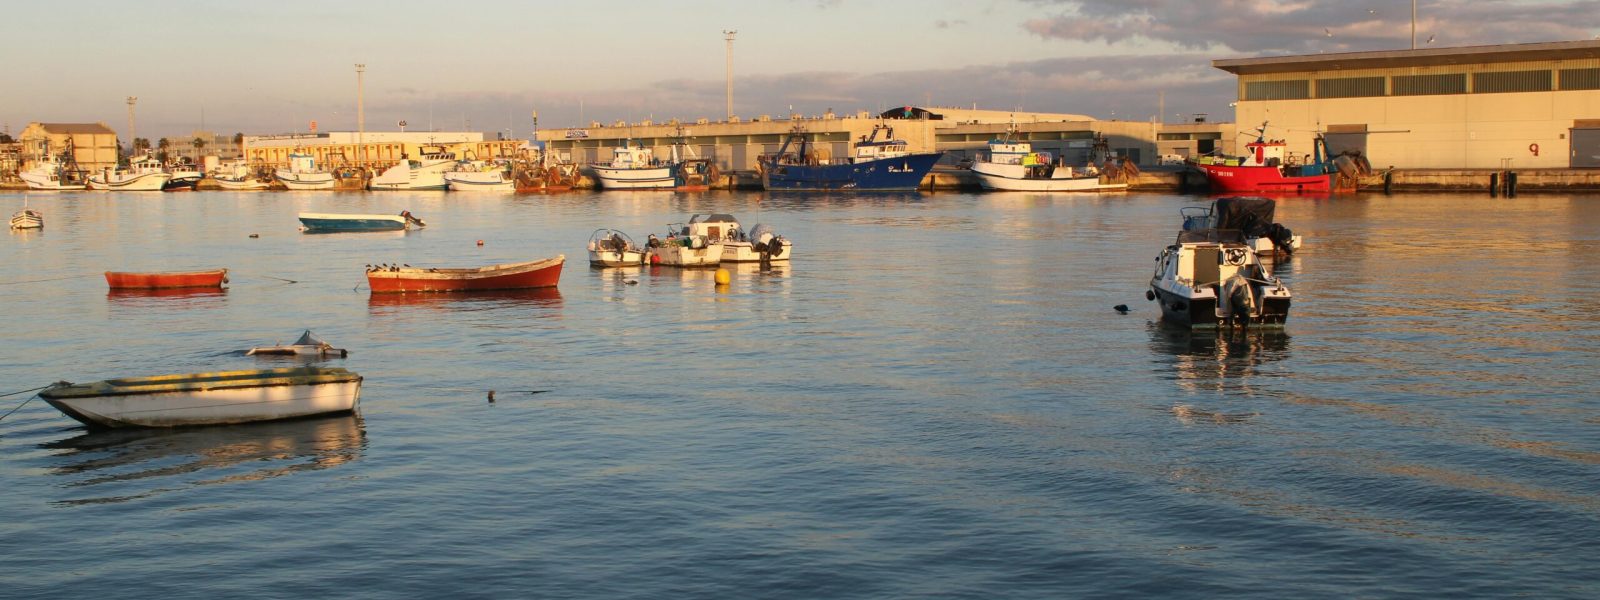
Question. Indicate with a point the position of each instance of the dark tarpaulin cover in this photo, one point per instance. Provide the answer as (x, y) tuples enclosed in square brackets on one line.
[(1249, 215)]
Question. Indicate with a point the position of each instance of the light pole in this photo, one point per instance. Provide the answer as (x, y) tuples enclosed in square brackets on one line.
[(728, 35), (1413, 24), (131, 131), (361, 113)]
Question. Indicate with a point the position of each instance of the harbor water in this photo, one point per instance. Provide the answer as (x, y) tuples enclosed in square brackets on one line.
[(935, 399)]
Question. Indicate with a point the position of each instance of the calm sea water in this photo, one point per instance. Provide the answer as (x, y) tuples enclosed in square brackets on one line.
[(935, 399)]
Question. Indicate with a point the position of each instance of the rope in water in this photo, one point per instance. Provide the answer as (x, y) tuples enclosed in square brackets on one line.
[(24, 402), (44, 280)]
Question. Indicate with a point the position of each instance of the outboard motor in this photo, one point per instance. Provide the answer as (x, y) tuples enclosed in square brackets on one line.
[(1282, 238)]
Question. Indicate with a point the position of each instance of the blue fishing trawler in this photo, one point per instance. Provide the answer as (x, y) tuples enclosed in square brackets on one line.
[(879, 165)]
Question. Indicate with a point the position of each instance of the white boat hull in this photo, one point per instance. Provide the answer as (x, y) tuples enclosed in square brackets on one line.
[(1011, 178), (27, 219), (746, 252), (305, 181), (248, 184), (44, 182), (677, 255), (612, 258), (144, 182), (213, 407), (485, 181), (652, 178)]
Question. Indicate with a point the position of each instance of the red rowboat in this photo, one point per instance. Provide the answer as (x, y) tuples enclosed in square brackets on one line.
[(512, 276), (173, 279)]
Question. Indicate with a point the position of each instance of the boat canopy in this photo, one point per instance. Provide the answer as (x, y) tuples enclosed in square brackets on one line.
[(1243, 214), (713, 218)]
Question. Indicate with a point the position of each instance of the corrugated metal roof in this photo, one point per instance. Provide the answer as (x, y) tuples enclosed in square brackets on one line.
[(1429, 57), (77, 128)]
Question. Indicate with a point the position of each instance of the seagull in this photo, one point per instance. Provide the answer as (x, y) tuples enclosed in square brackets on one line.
[(1325, 30), (1121, 308), (405, 265), (1430, 39)]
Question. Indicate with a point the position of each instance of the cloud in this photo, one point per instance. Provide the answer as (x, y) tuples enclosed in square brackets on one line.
[(1303, 26)]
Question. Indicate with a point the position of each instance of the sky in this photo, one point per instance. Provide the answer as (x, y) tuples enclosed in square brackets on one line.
[(275, 66)]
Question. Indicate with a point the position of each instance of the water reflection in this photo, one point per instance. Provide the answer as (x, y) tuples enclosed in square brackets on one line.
[(1208, 358), (545, 298), (173, 298), (127, 464)]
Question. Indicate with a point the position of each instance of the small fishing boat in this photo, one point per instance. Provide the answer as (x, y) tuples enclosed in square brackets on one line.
[(635, 167), (27, 218), (882, 165), (612, 248), (144, 174), (477, 176), (694, 244), (54, 175), (185, 177), (510, 276), (307, 345), (303, 174), (170, 279), (1013, 166), (219, 398), (694, 175), (240, 177), (329, 222), (412, 174), (1253, 217), (762, 241), (1211, 278), (1268, 168)]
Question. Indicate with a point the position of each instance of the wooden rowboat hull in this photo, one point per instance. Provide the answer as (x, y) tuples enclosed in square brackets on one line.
[(221, 398), (511, 276), (175, 279)]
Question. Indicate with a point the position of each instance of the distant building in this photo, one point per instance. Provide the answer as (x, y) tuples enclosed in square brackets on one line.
[(93, 145), (374, 148), (224, 147), (736, 144), (1514, 105)]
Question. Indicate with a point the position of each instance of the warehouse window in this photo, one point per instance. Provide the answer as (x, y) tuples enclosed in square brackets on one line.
[(1350, 87), (1428, 85), (1299, 89), (1580, 79), (1511, 81)]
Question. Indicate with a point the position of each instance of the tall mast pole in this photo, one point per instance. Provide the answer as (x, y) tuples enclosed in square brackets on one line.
[(361, 114), (728, 35), (131, 131), (1413, 24)]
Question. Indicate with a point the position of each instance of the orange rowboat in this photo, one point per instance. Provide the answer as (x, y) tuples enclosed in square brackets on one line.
[(510, 276), (172, 279)]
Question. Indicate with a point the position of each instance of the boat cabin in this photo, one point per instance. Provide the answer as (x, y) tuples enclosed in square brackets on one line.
[(714, 227), (871, 148), (631, 156), (302, 163)]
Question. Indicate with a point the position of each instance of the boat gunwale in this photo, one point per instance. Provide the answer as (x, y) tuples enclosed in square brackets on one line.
[(448, 273), (202, 382)]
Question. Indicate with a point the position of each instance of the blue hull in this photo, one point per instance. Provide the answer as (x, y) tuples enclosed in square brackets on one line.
[(321, 225), (901, 174)]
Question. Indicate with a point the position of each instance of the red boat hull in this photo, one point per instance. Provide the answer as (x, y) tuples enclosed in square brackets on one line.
[(513, 276), (150, 281), (1262, 180)]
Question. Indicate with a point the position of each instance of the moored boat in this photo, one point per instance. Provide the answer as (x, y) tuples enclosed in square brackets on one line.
[(1013, 166), (411, 174), (303, 174), (144, 174), (185, 178), (54, 175), (167, 279), (635, 167), (477, 176), (27, 218), (239, 177), (1268, 168), (878, 165), (510, 276), (762, 242), (612, 248), (218, 398), (328, 222), (1211, 278), (694, 244), (1252, 217), (307, 345)]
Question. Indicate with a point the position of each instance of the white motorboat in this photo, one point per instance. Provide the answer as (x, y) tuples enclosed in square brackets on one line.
[(1253, 217), (219, 398), (307, 346), (426, 173), (303, 174), (612, 248), (53, 175), (634, 167), (478, 176), (239, 176), (144, 174), (185, 177), (687, 245), (1211, 278), (739, 245), (1013, 166)]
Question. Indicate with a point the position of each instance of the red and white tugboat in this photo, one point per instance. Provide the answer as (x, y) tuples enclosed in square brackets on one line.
[(1268, 168)]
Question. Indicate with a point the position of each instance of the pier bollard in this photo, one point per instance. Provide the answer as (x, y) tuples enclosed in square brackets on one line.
[(1388, 181), (1511, 184), (1494, 184)]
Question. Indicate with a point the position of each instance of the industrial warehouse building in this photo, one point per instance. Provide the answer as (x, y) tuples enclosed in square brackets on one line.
[(961, 133), (1519, 106), (94, 145), (377, 149)]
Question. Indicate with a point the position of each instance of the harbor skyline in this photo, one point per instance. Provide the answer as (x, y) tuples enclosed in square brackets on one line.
[(249, 68)]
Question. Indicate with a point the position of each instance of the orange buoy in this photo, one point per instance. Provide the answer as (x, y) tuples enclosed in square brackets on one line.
[(480, 242)]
